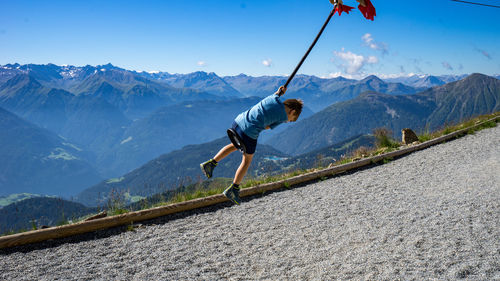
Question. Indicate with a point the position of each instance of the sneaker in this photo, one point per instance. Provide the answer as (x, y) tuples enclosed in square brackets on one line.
[(233, 194), (208, 167)]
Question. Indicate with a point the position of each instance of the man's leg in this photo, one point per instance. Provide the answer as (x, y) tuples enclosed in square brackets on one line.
[(243, 168), (224, 152), (208, 167), (233, 191)]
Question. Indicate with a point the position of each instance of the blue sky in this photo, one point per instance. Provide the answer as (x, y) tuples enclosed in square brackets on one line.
[(254, 37)]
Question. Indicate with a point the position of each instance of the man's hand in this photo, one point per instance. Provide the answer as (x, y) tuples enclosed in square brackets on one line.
[(281, 91)]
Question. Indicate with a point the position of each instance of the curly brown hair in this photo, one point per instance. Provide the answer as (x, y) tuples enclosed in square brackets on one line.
[(294, 104)]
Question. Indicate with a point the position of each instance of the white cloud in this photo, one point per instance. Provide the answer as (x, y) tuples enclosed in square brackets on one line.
[(353, 63), (372, 60), (267, 62), (368, 39), (416, 64), (447, 65), (484, 53), (201, 63), (372, 44)]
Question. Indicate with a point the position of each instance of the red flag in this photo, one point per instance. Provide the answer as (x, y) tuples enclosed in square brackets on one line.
[(342, 8), (367, 9)]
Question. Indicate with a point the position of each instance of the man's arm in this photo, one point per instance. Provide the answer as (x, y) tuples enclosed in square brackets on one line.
[(281, 91)]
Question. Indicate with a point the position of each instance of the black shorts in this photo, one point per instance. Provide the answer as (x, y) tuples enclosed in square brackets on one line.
[(250, 144)]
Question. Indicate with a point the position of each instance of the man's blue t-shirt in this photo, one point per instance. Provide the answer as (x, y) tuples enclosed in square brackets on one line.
[(269, 112)]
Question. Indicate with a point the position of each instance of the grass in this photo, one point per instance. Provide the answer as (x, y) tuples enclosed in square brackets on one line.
[(387, 160), (198, 190), (131, 227), (448, 129), (116, 202)]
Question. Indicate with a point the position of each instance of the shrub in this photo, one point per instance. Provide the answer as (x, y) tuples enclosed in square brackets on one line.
[(384, 139), (116, 202), (362, 151)]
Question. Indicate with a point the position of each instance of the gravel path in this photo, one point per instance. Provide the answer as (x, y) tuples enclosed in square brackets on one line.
[(434, 214)]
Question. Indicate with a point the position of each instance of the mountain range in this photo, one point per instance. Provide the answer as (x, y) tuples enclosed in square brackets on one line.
[(115, 120), (125, 118), (316, 92), (102, 103), (207, 82)]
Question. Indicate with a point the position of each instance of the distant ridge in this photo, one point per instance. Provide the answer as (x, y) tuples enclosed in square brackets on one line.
[(208, 82), (426, 81)]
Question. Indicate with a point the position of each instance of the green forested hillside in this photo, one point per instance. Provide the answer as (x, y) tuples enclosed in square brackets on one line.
[(475, 95), (35, 160), (40, 211)]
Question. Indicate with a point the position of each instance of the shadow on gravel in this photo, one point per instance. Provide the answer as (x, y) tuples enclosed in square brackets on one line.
[(105, 233)]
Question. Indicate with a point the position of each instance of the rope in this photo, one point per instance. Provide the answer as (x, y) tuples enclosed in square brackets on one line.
[(473, 3)]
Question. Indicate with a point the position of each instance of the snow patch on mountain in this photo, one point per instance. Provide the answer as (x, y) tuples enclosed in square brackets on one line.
[(60, 154), (115, 180), (72, 146), (392, 112), (126, 140)]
